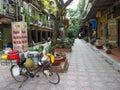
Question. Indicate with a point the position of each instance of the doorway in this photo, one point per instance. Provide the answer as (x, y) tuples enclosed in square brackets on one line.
[(118, 32)]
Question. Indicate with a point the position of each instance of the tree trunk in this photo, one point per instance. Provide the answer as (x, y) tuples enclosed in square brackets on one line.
[(55, 34)]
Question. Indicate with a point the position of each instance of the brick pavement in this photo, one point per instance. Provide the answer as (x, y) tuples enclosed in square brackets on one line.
[(87, 71)]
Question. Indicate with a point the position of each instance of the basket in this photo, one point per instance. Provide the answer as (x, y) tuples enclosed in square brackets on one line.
[(14, 55)]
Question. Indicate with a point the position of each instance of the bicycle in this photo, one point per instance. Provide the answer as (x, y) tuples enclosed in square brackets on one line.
[(21, 73)]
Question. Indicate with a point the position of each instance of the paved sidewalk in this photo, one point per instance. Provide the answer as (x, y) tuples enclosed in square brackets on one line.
[(110, 58), (87, 71)]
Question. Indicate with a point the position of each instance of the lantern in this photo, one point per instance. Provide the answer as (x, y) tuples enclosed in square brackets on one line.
[(98, 14)]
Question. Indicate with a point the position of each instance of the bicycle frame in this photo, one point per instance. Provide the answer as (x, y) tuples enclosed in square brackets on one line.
[(26, 72)]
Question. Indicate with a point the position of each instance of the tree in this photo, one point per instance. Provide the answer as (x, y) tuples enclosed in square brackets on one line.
[(58, 13), (76, 17), (61, 9)]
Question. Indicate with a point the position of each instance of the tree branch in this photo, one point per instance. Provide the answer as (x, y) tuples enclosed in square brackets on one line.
[(64, 7), (61, 1), (58, 4)]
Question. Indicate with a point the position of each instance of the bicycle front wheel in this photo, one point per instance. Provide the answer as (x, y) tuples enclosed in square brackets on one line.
[(19, 73), (52, 76)]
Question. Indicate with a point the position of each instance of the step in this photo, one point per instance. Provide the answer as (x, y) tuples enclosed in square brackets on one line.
[(62, 67)]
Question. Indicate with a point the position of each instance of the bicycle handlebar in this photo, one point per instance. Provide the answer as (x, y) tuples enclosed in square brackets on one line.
[(23, 60)]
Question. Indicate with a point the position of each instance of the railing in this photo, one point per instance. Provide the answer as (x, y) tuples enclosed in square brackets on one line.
[(6, 10)]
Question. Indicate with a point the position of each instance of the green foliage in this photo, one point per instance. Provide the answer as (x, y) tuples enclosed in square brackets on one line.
[(75, 17), (86, 38), (47, 5), (65, 43), (39, 48), (71, 33), (36, 16), (81, 6), (45, 2), (42, 17), (62, 25), (27, 18), (49, 49), (70, 12), (5, 6)]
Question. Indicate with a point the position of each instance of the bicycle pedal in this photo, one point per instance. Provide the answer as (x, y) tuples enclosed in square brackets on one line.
[(37, 75)]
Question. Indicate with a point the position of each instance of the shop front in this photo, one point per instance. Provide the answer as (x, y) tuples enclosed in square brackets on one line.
[(5, 36)]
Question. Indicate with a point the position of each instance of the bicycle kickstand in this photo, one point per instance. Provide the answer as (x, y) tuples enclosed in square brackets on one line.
[(21, 84)]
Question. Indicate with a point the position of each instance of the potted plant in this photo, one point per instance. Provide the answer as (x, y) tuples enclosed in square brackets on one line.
[(107, 48), (59, 57)]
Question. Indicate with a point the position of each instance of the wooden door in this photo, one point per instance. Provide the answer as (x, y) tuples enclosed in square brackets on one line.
[(112, 32)]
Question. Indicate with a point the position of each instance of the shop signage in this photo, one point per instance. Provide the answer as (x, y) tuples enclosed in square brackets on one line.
[(19, 36)]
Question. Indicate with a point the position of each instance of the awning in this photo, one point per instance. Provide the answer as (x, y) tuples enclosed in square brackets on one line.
[(99, 5), (5, 20), (41, 28)]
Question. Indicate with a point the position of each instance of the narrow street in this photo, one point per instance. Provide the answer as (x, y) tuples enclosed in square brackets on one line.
[(87, 71)]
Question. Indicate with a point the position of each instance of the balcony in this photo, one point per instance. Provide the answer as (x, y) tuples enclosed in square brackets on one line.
[(41, 28), (7, 10)]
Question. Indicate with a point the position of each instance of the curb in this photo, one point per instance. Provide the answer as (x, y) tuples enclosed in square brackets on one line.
[(108, 59)]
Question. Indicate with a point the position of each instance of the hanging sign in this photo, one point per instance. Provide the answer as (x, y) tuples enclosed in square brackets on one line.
[(19, 36), (98, 14)]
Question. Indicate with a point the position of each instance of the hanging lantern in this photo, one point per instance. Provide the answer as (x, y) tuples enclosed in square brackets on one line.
[(66, 22), (98, 14)]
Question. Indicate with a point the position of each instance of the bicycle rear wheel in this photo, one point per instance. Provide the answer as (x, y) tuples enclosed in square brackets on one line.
[(19, 73), (52, 76)]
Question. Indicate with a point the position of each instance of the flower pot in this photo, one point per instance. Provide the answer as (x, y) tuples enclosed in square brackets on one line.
[(58, 60)]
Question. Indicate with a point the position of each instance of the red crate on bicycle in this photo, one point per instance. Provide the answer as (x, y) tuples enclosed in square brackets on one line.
[(14, 55)]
